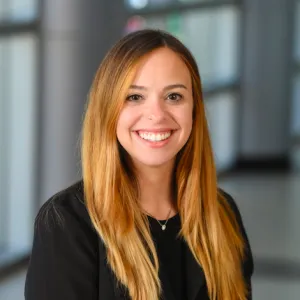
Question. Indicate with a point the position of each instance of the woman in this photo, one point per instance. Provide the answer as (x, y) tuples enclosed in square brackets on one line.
[(147, 221)]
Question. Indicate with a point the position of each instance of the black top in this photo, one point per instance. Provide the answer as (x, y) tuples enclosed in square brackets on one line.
[(69, 260), (170, 253)]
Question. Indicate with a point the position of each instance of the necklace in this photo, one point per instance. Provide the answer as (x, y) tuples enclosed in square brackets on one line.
[(163, 226)]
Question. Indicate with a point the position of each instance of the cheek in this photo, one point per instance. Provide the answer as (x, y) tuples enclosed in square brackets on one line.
[(121, 125), (125, 122), (185, 118)]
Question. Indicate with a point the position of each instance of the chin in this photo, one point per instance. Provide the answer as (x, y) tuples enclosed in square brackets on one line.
[(154, 162)]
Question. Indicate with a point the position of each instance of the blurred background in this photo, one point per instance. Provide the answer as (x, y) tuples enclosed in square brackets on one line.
[(248, 52)]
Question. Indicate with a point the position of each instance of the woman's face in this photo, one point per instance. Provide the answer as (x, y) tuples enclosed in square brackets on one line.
[(156, 120)]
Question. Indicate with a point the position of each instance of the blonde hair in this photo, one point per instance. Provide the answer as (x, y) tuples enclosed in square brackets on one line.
[(209, 226)]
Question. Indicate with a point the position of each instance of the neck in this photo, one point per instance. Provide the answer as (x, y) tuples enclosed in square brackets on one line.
[(156, 190)]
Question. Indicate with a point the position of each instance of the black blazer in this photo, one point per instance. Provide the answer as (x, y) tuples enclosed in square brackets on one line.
[(68, 258)]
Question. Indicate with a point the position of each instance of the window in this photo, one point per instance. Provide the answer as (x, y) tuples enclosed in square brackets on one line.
[(18, 115), (13, 10), (2, 148), (295, 113), (221, 112), (296, 107), (297, 34), (140, 4)]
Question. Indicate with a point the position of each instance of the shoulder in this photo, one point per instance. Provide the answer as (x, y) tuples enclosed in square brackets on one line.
[(64, 256), (234, 208), (64, 210), (248, 265), (232, 203)]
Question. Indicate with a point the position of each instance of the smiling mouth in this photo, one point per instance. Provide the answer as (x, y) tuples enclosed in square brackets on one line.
[(155, 136)]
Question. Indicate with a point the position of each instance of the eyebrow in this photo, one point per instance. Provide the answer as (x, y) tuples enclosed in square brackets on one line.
[(166, 88)]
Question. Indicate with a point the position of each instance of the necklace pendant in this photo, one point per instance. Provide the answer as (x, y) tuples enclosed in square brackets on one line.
[(163, 227)]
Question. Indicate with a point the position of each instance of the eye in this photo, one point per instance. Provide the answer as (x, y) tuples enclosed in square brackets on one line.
[(175, 97), (134, 97)]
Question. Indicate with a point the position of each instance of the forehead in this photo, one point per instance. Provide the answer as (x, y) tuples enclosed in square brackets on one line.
[(160, 67)]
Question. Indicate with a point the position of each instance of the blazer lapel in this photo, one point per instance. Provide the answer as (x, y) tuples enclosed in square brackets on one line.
[(195, 278)]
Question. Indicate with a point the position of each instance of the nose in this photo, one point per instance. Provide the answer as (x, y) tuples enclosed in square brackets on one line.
[(155, 110)]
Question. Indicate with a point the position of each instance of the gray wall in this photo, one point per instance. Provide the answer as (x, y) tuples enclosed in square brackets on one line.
[(76, 35), (266, 78)]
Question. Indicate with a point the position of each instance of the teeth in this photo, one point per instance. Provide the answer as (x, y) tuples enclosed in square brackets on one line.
[(154, 137)]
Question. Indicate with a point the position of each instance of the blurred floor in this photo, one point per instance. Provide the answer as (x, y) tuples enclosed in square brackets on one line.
[(270, 206)]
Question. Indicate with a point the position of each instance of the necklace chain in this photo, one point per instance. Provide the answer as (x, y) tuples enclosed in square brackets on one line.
[(163, 226)]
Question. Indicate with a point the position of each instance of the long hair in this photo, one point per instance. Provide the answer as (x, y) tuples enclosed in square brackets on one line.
[(111, 189)]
